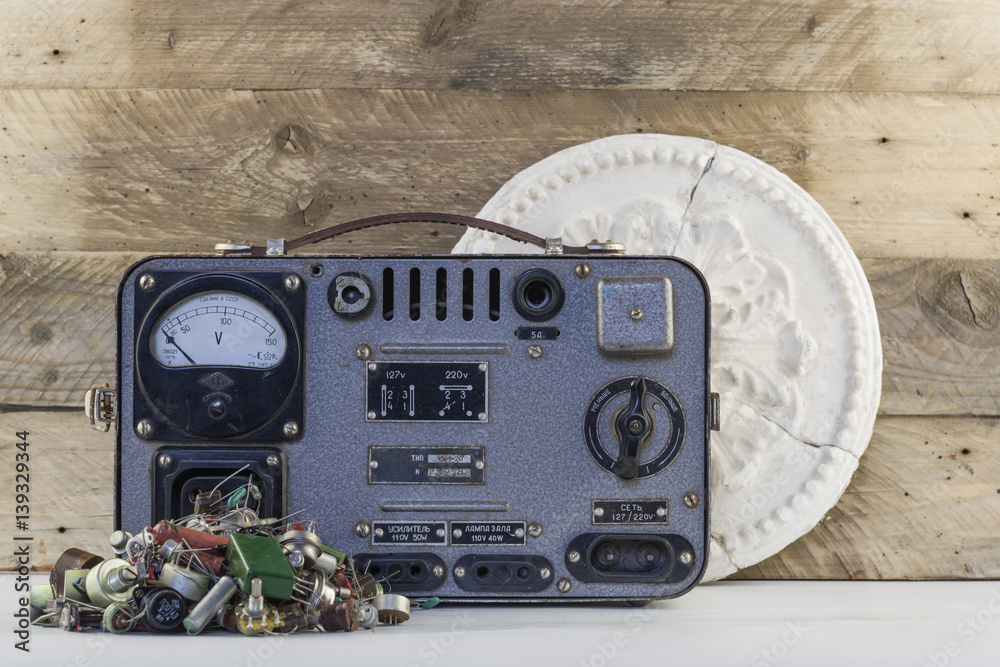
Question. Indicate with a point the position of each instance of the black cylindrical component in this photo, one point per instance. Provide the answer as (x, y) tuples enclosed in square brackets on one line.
[(165, 610), (538, 295)]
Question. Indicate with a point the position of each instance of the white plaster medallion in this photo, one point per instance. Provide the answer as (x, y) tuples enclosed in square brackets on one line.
[(796, 353)]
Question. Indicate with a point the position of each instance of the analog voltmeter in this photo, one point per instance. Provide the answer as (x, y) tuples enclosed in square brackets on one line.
[(218, 356)]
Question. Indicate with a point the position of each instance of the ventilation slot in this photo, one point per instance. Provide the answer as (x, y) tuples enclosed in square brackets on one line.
[(388, 294), (414, 294), (494, 294), (467, 295), (441, 290)]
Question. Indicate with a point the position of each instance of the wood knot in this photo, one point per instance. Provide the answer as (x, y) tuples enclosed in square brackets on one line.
[(40, 333), (965, 303), (293, 139), (445, 21)]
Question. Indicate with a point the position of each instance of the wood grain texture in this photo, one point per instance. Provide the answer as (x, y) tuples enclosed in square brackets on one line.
[(178, 170), (802, 45), (922, 505), (940, 326)]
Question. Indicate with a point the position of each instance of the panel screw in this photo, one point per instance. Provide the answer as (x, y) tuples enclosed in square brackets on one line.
[(574, 556), (459, 571), (582, 270), (686, 557), (482, 416), (372, 367), (534, 529), (482, 367), (598, 511), (362, 529), (440, 532), (364, 353), (165, 460), (438, 571), (373, 465), (292, 283), (635, 314), (564, 585), (519, 532), (144, 428), (379, 532), (660, 511), (290, 429), (635, 426), (371, 416), (480, 465), (273, 460), (535, 351), (147, 282), (457, 532), (691, 499), (544, 573)]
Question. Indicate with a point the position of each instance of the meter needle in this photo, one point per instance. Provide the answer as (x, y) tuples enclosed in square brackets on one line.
[(171, 341)]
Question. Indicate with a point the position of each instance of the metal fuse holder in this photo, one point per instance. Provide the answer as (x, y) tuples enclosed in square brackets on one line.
[(209, 605)]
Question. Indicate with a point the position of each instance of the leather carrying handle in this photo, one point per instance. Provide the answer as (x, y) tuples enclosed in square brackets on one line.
[(549, 245)]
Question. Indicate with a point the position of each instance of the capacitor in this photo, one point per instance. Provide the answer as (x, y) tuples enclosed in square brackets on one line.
[(217, 597), (163, 609), (173, 551), (111, 581), (191, 585), (195, 539)]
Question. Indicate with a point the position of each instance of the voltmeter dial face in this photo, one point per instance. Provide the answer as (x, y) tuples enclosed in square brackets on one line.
[(219, 356), (218, 328)]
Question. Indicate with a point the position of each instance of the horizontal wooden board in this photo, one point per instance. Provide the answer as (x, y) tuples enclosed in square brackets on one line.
[(940, 325), (178, 170), (923, 504), (853, 45)]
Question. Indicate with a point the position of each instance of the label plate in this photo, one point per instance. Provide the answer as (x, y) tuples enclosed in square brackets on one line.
[(409, 532), (426, 465), (490, 533), (631, 511), (427, 391)]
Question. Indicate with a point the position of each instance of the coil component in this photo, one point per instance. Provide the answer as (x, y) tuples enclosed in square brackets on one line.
[(118, 618)]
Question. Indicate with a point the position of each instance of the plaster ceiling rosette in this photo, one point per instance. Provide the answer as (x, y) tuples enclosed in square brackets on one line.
[(796, 353)]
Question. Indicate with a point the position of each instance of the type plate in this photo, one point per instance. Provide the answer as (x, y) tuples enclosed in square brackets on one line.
[(409, 532), (631, 511), (426, 465), (427, 391), (493, 533), (537, 333)]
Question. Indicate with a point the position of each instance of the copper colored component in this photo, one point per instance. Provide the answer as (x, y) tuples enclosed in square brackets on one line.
[(227, 618), (339, 616), (367, 586), (71, 559), (293, 619), (194, 539)]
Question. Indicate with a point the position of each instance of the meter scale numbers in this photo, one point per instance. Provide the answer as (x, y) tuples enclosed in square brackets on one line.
[(218, 329), (427, 391)]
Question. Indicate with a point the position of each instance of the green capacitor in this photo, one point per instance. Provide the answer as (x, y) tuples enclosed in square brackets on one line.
[(253, 556)]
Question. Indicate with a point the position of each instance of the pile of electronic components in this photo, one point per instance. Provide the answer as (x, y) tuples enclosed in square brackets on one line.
[(222, 565)]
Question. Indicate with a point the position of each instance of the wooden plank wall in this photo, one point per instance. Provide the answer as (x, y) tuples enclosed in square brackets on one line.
[(135, 128)]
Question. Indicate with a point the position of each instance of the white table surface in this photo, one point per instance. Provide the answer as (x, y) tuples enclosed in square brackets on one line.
[(756, 623)]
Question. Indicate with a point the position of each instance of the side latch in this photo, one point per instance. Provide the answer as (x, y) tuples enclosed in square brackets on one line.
[(101, 404)]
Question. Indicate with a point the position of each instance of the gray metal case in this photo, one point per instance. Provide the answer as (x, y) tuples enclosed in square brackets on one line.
[(526, 506)]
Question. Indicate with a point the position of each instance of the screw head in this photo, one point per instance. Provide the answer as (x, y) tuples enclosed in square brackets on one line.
[(635, 314), (544, 573), (438, 571), (144, 428), (373, 465), (459, 571), (379, 532), (482, 416), (480, 465), (582, 270), (691, 499), (483, 367), (457, 532), (598, 511), (371, 416), (364, 353), (635, 426), (147, 282), (574, 556), (372, 367), (564, 585), (519, 532), (164, 460), (273, 460), (292, 283), (535, 351), (686, 557), (534, 529), (362, 529), (439, 532), (290, 429)]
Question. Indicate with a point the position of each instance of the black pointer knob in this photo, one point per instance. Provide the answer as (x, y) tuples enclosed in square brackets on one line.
[(633, 426)]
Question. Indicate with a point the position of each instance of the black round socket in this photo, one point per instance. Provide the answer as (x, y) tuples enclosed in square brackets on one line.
[(650, 555), (351, 295), (606, 555), (538, 295)]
